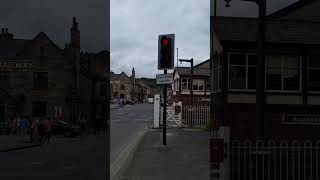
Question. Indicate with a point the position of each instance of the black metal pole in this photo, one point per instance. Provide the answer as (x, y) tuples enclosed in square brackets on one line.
[(164, 117), (191, 82), (260, 69)]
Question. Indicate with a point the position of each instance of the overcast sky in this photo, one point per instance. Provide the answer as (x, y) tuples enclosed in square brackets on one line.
[(136, 24), (26, 18)]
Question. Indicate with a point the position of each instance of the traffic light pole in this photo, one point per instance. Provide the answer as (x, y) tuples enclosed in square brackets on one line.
[(164, 117)]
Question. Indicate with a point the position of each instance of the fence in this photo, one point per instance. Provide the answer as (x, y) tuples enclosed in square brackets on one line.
[(195, 116), (272, 160)]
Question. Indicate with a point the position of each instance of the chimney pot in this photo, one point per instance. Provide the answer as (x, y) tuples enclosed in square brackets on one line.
[(2, 30), (6, 30)]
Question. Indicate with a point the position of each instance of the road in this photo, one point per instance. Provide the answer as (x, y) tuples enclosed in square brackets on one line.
[(127, 124), (77, 158)]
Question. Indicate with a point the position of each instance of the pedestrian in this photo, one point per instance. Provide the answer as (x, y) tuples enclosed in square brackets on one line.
[(24, 125), (12, 125), (19, 130), (47, 130), (34, 131)]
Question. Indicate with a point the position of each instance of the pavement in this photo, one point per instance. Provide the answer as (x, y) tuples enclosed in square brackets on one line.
[(186, 156), (80, 158), (11, 143), (128, 126)]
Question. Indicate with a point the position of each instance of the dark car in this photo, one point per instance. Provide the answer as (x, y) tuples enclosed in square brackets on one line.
[(59, 127), (131, 102)]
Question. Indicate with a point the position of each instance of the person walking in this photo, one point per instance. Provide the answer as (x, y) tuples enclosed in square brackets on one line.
[(33, 131), (13, 126), (47, 130), (19, 130)]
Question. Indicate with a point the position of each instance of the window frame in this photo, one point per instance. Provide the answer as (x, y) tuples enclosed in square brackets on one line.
[(282, 75), (308, 67), (246, 66), (197, 82), (188, 83), (265, 73)]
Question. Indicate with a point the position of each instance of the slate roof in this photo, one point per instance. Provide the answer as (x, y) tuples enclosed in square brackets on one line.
[(196, 71), (290, 8), (277, 31), (11, 47)]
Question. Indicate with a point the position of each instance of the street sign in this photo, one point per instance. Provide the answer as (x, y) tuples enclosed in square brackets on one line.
[(164, 78)]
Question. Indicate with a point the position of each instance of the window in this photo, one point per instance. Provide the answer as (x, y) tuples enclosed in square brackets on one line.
[(208, 87), (198, 85), (103, 89), (217, 75), (185, 84), (176, 85), (123, 87), (242, 71), (314, 73), (40, 80), (283, 73), (39, 108), (5, 79)]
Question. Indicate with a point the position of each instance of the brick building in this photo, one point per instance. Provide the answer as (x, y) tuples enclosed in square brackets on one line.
[(292, 83), (40, 79), (201, 84)]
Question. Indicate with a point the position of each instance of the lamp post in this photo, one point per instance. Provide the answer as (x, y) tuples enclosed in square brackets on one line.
[(191, 77)]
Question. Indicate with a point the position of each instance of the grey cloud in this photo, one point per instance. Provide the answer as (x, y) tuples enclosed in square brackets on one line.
[(144, 20), (27, 18)]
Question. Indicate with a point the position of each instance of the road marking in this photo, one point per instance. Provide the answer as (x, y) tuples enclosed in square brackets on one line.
[(123, 156)]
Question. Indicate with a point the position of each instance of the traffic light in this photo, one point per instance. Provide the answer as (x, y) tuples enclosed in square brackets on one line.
[(166, 52)]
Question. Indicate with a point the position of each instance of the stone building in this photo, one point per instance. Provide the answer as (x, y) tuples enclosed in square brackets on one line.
[(129, 88), (40, 79)]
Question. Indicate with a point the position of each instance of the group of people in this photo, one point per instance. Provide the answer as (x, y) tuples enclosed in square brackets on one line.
[(39, 132)]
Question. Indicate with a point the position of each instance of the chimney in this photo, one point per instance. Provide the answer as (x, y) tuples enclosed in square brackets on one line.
[(75, 34), (5, 34)]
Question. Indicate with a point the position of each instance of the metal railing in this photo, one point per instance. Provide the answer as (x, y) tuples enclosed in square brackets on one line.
[(275, 160), (195, 116)]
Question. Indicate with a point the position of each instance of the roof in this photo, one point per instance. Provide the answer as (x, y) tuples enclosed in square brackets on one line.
[(114, 77), (206, 61), (288, 9), (9, 48), (277, 30), (196, 71)]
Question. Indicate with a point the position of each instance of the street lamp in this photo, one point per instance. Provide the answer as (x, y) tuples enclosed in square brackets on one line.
[(191, 77)]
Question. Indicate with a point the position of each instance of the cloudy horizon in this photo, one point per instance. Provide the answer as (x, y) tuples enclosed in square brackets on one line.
[(135, 26)]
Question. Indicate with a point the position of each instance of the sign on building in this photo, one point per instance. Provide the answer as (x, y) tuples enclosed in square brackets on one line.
[(15, 65), (164, 78)]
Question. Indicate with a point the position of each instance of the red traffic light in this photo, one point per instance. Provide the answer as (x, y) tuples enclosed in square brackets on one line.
[(165, 42)]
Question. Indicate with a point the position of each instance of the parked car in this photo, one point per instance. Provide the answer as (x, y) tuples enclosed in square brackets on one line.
[(59, 127), (131, 102)]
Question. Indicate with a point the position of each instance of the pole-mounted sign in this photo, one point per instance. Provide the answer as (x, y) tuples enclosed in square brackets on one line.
[(166, 52)]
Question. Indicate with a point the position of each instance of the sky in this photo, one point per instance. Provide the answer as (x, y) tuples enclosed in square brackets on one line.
[(25, 19), (136, 24)]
